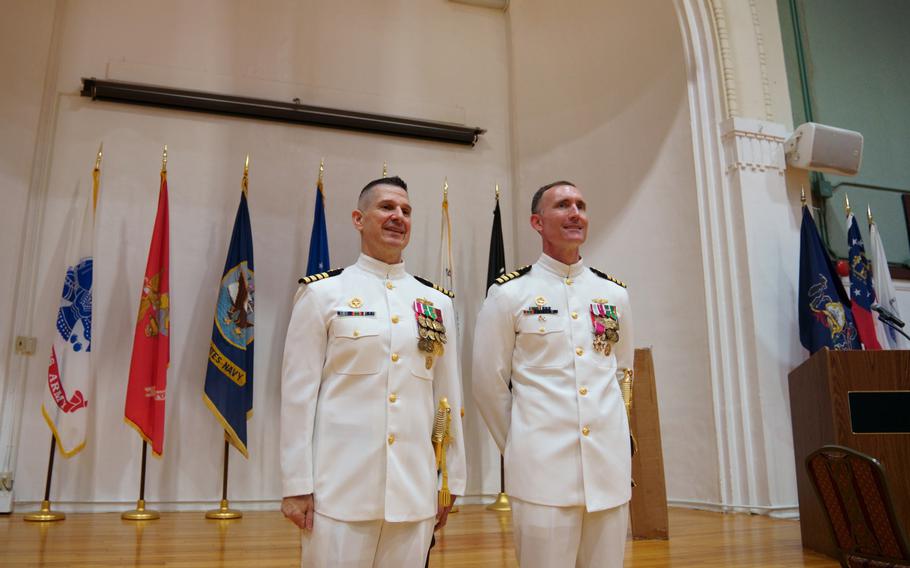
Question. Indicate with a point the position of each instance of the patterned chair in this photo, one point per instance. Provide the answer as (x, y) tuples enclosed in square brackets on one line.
[(854, 493)]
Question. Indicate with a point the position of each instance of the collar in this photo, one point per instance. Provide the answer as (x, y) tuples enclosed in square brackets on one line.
[(379, 268), (561, 270)]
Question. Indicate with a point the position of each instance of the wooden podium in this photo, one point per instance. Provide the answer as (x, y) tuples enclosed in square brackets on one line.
[(858, 399), (648, 508)]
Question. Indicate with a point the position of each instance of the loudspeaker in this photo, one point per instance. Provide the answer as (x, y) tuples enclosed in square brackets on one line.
[(824, 148)]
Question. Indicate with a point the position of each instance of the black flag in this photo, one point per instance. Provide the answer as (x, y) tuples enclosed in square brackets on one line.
[(496, 266)]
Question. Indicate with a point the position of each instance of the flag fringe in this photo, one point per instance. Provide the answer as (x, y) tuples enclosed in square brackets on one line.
[(232, 436), (60, 448)]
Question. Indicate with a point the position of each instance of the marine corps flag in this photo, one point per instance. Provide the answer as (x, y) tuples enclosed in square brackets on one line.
[(145, 393), (69, 389), (825, 319), (229, 376)]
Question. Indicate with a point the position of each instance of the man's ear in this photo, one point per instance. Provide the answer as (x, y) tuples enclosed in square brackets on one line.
[(536, 223), (357, 219)]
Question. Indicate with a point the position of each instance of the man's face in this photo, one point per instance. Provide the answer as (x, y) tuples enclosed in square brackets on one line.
[(385, 220), (561, 217)]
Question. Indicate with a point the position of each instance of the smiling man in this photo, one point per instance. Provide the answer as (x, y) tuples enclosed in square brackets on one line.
[(551, 342), (370, 351)]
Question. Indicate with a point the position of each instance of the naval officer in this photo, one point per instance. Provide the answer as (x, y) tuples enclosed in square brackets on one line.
[(370, 351), (552, 342)]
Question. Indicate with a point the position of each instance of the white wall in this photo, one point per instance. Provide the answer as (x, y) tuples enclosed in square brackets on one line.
[(599, 98), (433, 60)]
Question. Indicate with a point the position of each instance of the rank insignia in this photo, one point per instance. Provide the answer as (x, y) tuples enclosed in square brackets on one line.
[(431, 331), (605, 321), (355, 302)]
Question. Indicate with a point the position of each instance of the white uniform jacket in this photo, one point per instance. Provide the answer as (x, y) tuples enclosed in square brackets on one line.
[(358, 401), (562, 428)]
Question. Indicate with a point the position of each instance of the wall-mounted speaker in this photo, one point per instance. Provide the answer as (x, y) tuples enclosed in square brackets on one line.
[(824, 148)]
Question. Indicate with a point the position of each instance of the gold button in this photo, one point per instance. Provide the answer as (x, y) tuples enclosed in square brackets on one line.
[(574, 315), (394, 319), (389, 285), (394, 357), (392, 439), (584, 431), (583, 391), (356, 333), (393, 397), (579, 350), (569, 281)]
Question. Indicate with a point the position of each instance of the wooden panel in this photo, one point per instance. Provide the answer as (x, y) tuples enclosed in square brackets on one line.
[(648, 508), (473, 538)]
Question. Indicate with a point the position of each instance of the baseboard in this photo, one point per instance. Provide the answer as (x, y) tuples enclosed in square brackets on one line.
[(790, 512)]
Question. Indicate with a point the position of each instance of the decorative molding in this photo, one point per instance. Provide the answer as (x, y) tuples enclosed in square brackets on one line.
[(762, 61), (722, 36), (753, 145)]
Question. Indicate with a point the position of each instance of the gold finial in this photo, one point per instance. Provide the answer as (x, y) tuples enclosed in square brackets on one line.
[(847, 204), (245, 182), (321, 169), (869, 214), (385, 169), (802, 195), (246, 166), (497, 192), (164, 160), (98, 158), (445, 189)]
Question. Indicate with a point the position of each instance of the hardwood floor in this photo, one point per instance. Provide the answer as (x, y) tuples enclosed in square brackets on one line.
[(474, 537)]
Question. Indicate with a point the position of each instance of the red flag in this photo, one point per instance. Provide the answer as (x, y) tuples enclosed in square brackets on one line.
[(145, 392)]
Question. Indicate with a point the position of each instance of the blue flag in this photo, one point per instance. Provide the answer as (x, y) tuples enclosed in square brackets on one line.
[(229, 376), (825, 319), (319, 239)]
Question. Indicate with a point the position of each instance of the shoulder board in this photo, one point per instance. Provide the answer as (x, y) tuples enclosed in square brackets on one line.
[(321, 276), (513, 275), (436, 287), (608, 277)]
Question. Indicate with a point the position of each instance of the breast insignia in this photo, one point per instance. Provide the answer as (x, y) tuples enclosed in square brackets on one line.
[(436, 287), (321, 276), (513, 275), (608, 277)]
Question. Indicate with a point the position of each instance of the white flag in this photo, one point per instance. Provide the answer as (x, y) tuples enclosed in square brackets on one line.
[(69, 377), (884, 290)]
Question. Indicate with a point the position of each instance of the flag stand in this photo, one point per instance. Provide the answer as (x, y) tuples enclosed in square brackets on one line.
[(224, 512), (46, 514), (501, 504), (140, 513)]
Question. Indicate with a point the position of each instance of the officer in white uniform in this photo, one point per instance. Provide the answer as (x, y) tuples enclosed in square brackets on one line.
[(560, 334), (361, 381)]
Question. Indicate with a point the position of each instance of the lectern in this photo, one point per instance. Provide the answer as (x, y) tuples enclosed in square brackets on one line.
[(858, 399)]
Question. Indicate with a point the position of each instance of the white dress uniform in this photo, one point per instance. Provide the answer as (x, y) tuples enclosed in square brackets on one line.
[(562, 427), (358, 401)]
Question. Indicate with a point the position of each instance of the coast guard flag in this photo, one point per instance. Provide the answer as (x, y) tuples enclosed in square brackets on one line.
[(145, 392), (229, 376), (318, 260), (69, 376), (825, 319), (884, 289), (862, 294)]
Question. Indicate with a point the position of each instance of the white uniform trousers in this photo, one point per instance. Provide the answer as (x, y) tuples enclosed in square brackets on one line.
[(365, 544), (568, 537)]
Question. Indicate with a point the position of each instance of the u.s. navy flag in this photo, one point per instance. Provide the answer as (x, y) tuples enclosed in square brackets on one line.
[(229, 376), (69, 376), (318, 260), (825, 319), (862, 293), (147, 387)]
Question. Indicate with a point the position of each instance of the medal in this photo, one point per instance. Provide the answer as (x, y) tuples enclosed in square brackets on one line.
[(431, 332), (605, 322)]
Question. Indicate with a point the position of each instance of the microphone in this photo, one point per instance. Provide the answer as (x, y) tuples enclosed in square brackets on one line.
[(886, 315)]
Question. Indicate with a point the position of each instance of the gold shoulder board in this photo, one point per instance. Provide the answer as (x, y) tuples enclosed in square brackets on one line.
[(606, 276), (321, 276), (513, 275), (436, 287)]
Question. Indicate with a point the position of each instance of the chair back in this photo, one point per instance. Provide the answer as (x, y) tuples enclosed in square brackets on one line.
[(854, 493)]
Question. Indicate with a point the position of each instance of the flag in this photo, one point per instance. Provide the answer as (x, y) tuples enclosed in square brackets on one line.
[(145, 392), (229, 376), (446, 260), (884, 289), (825, 319), (70, 381), (496, 264), (862, 293), (319, 240)]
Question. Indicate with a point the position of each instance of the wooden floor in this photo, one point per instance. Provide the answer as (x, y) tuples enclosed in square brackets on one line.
[(474, 537)]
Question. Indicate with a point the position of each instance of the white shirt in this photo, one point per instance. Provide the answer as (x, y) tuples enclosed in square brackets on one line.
[(563, 427), (358, 401)]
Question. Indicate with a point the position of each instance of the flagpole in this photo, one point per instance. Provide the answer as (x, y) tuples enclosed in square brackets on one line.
[(224, 512), (140, 513), (46, 514)]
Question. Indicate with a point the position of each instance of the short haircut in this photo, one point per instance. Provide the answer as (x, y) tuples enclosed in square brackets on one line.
[(535, 201), (394, 180)]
